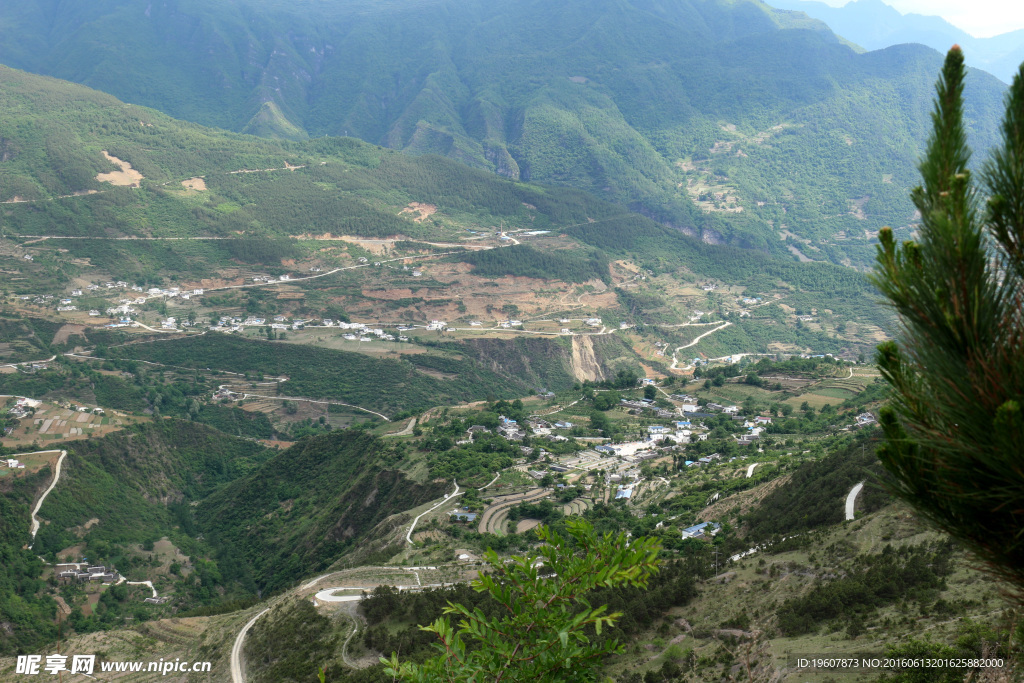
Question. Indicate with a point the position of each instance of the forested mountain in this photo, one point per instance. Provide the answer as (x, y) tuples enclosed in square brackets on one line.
[(732, 121), (874, 25), (54, 134), (309, 504)]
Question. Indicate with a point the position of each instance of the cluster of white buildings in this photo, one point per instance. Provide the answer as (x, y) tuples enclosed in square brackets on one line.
[(22, 407), (172, 292), (120, 284), (682, 432)]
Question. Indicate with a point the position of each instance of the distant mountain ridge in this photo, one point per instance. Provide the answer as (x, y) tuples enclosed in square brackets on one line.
[(875, 25), (731, 121)]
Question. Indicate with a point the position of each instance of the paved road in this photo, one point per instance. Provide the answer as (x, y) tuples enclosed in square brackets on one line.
[(138, 583), (237, 664), (56, 477), (750, 470), (327, 594), (851, 499), (408, 536)]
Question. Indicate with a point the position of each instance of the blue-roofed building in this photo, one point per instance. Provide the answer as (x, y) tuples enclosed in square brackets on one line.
[(623, 493), (703, 530)]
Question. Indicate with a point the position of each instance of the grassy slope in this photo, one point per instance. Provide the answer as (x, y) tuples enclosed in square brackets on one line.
[(430, 78)]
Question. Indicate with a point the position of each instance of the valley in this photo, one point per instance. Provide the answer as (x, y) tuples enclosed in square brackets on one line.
[(351, 303)]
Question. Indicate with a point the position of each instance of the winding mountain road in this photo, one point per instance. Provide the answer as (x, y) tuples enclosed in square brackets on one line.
[(750, 470), (408, 535), (851, 499), (34, 528), (497, 475), (237, 663), (675, 362)]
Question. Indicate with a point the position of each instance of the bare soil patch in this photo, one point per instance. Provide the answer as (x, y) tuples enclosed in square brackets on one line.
[(746, 500), (67, 331), (194, 184), (274, 443), (72, 552), (423, 211), (167, 554), (126, 177), (90, 604), (584, 360), (435, 373), (378, 247)]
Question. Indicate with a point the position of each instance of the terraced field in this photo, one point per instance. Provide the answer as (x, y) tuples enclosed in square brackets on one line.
[(836, 391), (495, 518), (577, 507)]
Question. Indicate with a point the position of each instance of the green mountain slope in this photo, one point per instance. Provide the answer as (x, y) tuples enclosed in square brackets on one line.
[(732, 121), (132, 480), (396, 385), (307, 505), (56, 132)]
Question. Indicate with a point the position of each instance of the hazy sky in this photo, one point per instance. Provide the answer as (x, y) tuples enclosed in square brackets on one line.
[(980, 18)]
